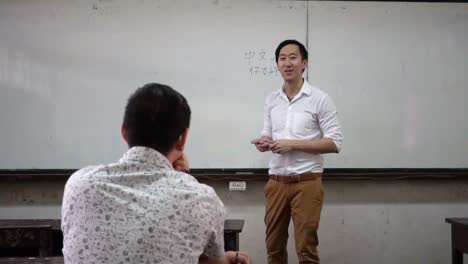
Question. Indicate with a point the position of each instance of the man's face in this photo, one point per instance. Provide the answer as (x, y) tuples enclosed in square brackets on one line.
[(290, 63)]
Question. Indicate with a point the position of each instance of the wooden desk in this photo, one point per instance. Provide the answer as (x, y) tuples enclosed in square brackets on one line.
[(44, 235), (232, 228), (48, 260), (459, 238), (54, 223)]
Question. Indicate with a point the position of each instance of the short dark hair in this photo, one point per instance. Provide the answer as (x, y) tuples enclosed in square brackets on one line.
[(155, 117), (302, 49)]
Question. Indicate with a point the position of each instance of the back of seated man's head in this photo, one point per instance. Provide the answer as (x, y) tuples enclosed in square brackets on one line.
[(156, 116)]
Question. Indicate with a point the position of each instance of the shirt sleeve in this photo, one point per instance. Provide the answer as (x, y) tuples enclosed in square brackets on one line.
[(215, 246), (68, 202), (328, 121), (266, 131), (71, 216)]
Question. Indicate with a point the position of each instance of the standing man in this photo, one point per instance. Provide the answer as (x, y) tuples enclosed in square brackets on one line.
[(141, 209), (300, 124)]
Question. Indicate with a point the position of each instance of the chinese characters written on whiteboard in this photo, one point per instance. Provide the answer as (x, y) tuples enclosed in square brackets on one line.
[(260, 63)]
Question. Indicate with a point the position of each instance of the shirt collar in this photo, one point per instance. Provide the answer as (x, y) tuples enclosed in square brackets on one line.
[(146, 156), (305, 89)]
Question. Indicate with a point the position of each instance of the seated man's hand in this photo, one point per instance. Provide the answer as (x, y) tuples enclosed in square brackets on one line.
[(181, 164), (234, 257), (230, 257)]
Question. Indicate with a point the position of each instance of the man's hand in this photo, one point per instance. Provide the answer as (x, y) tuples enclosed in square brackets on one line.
[(230, 257), (262, 143), (237, 257), (281, 146), (181, 164)]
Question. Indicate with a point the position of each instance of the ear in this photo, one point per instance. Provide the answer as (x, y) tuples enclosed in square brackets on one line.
[(180, 144), (123, 131), (304, 64)]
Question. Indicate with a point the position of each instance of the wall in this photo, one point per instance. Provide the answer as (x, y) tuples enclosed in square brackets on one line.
[(363, 221)]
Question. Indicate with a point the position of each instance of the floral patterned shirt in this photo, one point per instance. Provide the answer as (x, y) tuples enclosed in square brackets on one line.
[(140, 210)]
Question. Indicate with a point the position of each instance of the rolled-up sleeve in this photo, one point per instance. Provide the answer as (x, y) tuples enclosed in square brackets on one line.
[(328, 121), (266, 131)]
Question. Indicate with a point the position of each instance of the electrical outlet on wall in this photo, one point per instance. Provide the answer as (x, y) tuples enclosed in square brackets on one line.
[(237, 185)]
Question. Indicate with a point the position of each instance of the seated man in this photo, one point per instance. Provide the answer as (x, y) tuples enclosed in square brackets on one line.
[(140, 209)]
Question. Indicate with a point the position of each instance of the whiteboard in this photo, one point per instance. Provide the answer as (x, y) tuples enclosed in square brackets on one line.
[(68, 67), (398, 73)]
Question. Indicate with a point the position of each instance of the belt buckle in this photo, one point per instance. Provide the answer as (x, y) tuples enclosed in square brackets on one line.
[(296, 178), (274, 177)]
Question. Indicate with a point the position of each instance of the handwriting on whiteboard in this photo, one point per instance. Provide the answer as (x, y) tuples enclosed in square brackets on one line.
[(260, 63)]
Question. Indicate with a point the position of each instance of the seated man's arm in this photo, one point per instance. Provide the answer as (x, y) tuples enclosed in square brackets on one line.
[(213, 252)]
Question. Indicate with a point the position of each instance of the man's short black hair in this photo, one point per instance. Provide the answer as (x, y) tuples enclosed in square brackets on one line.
[(302, 49), (155, 117)]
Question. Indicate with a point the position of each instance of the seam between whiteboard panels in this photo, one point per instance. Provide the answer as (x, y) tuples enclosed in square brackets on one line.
[(307, 37)]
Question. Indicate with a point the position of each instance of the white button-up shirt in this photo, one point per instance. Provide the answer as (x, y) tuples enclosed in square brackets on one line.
[(310, 115)]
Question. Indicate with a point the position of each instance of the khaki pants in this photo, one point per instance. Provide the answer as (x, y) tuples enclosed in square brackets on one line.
[(303, 202)]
